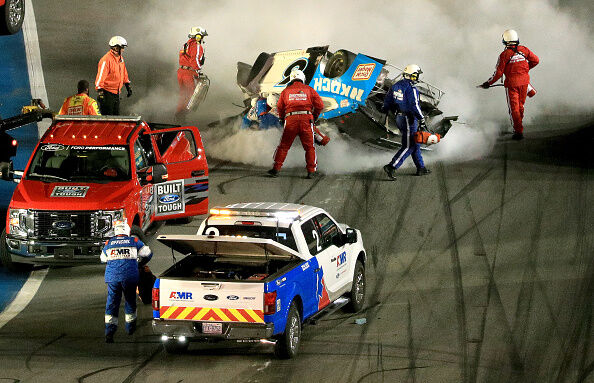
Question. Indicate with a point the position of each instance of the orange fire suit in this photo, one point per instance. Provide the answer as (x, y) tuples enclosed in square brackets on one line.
[(111, 73), (191, 59)]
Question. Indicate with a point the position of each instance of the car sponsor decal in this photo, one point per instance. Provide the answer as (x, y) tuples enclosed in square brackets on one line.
[(52, 147), (211, 314), (169, 198), (363, 72), (70, 191), (338, 87)]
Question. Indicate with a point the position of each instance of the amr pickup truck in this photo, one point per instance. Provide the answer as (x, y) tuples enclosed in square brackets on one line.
[(257, 271), (87, 172)]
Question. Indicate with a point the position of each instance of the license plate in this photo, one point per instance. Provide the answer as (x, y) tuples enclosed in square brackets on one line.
[(64, 253), (212, 328)]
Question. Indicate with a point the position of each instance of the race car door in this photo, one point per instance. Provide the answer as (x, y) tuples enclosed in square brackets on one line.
[(185, 193)]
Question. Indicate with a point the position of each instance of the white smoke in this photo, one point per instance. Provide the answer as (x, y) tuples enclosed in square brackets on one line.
[(456, 43)]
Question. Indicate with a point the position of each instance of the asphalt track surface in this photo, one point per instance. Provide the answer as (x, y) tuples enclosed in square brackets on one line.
[(482, 271)]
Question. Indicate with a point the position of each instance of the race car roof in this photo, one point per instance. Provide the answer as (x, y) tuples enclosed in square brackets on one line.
[(229, 246), (91, 130)]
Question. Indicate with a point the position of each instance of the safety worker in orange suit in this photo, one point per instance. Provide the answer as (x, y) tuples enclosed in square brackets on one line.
[(111, 77), (514, 62), (299, 106), (191, 60), (80, 104)]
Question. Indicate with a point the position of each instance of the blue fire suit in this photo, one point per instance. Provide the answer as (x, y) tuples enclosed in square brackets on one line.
[(123, 256), (403, 100)]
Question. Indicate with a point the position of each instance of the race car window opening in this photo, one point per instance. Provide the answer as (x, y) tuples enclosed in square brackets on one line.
[(312, 236), (56, 162), (328, 230), (176, 146), (284, 236)]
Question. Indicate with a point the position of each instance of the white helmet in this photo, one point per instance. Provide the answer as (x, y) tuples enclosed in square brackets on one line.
[(510, 37), (121, 228), (297, 74), (197, 31), (118, 41), (412, 72)]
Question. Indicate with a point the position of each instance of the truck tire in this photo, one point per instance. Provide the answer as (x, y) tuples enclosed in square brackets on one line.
[(5, 259), (172, 346), (137, 232), (12, 14), (357, 293), (287, 344)]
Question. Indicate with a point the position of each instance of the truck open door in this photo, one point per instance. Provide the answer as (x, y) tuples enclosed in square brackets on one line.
[(185, 193)]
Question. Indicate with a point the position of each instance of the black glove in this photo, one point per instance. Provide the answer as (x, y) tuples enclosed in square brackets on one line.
[(422, 125), (485, 85), (128, 89)]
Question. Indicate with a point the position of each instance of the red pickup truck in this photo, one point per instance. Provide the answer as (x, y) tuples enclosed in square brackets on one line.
[(88, 172)]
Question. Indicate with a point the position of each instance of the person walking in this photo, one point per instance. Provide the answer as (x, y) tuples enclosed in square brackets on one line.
[(299, 106), (112, 75), (191, 60), (514, 62), (80, 104), (124, 255), (403, 100)]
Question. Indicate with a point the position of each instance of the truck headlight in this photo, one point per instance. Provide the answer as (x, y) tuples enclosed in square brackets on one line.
[(106, 220), (20, 223)]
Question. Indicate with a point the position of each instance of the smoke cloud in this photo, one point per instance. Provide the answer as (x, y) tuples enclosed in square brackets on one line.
[(456, 43)]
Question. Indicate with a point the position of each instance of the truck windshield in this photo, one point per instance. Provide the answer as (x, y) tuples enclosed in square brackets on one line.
[(57, 162), (280, 235)]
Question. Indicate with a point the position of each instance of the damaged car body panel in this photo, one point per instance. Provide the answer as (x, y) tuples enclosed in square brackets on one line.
[(352, 86)]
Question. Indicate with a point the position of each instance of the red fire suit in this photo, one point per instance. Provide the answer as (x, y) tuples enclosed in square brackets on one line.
[(515, 62), (299, 106), (191, 59)]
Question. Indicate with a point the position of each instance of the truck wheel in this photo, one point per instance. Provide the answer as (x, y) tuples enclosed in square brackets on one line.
[(137, 232), (357, 294), (287, 344), (4, 254), (173, 346), (12, 14)]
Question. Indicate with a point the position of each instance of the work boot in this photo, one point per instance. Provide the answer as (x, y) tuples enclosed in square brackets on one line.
[(389, 169), (131, 327), (311, 175), (108, 338), (273, 173), (518, 136), (423, 171)]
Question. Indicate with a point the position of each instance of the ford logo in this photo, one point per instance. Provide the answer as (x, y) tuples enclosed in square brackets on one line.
[(232, 297), (169, 198), (63, 225), (211, 297)]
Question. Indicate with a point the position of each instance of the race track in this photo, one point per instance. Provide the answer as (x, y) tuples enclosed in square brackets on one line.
[(482, 271)]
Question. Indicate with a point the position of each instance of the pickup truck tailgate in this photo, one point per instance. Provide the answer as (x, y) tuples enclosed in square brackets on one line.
[(211, 301)]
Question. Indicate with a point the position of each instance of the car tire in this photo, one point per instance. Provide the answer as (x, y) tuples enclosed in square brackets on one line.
[(339, 63), (136, 231), (12, 15), (287, 344), (357, 293), (5, 259), (173, 346)]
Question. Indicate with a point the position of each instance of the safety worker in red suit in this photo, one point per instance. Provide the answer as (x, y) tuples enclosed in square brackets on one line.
[(299, 106), (124, 255), (111, 77), (514, 62), (80, 104), (191, 60)]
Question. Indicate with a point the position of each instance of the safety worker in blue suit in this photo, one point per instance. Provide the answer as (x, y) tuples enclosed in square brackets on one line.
[(403, 100), (124, 255)]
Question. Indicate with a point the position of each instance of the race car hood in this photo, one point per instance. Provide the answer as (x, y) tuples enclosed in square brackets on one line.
[(230, 247), (32, 194)]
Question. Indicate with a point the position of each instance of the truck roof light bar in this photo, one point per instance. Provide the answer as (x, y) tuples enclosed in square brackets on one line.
[(98, 118), (274, 213)]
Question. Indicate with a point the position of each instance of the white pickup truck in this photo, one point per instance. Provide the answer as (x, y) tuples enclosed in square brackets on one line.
[(257, 271)]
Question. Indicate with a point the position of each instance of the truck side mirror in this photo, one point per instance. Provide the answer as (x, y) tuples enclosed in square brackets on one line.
[(351, 235), (153, 174)]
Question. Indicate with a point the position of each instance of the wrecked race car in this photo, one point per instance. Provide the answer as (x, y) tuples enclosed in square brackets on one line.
[(352, 86)]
